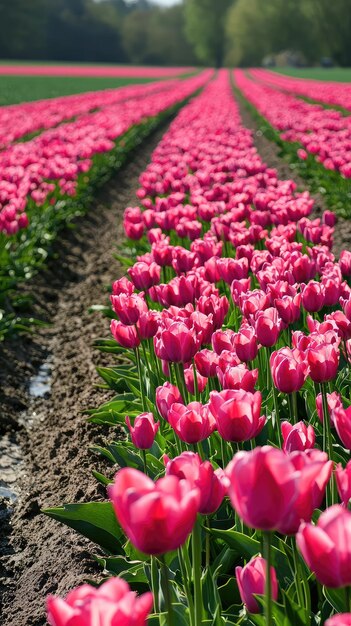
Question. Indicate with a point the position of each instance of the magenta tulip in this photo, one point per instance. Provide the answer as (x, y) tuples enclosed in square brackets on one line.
[(251, 580), (192, 423), (289, 369), (297, 437), (237, 414), (144, 431), (156, 517), (108, 605), (326, 546), (262, 487), (343, 482)]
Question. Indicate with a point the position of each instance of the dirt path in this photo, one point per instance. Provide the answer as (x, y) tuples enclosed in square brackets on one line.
[(44, 439)]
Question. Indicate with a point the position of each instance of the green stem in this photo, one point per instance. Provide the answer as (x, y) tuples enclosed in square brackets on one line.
[(297, 573), (347, 600), (196, 547), (196, 384), (143, 454), (167, 592), (186, 585), (328, 443), (208, 554), (268, 586), (154, 583), (137, 354), (277, 419), (294, 406)]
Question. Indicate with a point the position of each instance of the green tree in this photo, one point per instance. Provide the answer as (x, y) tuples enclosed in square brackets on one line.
[(205, 28)]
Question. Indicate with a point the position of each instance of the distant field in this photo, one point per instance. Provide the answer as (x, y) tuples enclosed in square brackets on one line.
[(15, 89), (339, 74)]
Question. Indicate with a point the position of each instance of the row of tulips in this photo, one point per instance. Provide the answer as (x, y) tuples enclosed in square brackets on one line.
[(326, 92), (232, 336), (323, 133), (48, 167), (20, 120)]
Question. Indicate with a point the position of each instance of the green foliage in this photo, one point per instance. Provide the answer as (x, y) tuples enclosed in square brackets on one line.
[(205, 28)]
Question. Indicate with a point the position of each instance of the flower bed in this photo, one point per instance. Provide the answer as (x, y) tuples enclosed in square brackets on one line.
[(48, 180), (231, 338)]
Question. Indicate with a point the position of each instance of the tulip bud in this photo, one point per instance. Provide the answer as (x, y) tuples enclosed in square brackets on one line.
[(342, 619), (126, 336), (343, 481), (167, 395), (289, 369), (251, 580), (144, 431), (192, 423)]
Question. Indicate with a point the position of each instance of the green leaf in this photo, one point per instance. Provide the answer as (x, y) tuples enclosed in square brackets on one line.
[(132, 571), (94, 520), (335, 597)]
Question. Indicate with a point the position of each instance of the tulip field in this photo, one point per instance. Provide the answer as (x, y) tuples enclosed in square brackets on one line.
[(222, 447)]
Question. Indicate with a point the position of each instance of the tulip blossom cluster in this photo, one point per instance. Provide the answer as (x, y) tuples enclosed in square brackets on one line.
[(19, 120), (324, 133), (328, 92), (235, 317), (49, 165), (117, 71)]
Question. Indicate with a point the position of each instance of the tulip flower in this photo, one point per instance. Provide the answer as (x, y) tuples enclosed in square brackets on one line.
[(334, 402), (176, 343), (342, 423), (342, 619), (343, 482), (262, 487), (206, 362), (144, 276), (166, 396), (156, 517), (237, 414), (210, 482), (192, 423), (326, 547), (313, 296), (238, 377), (288, 308), (267, 326), (129, 307), (323, 361), (190, 381), (289, 369), (313, 474), (245, 344), (297, 437), (110, 604), (126, 336), (144, 431), (251, 580)]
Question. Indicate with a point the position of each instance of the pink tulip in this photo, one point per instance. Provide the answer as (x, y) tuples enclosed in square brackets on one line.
[(210, 482), (251, 580), (110, 604), (192, 423), (126, 336), (129, 307), (288, 308), (326, 547), (237, 414), (245, 344), (313, 296), (267, 326), (342, 423), (334, 402), (177, 343), (313, 474), (323, 361), (342, 619), (145, 276), (343, 482), (297, 437), (190, 381), (262, 487), (166, 396), (156, 517), (206, 362), (238, 377), (144, 431), (289, 369)]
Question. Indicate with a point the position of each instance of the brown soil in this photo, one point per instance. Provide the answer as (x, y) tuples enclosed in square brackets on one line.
[(44, 440), (48, 435)]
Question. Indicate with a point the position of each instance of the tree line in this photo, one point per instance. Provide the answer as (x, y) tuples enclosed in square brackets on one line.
[(209, 32)]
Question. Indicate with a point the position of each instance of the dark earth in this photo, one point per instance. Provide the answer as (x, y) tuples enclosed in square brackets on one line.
[(45, 383)]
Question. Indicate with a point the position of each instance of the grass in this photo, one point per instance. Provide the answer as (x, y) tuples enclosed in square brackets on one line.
[(338, 74), (16, 89)]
